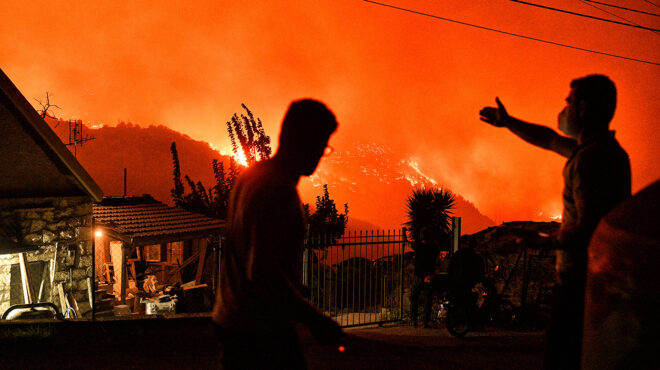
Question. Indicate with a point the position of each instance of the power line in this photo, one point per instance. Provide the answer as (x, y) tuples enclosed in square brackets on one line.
[(585, 15), (511, 33), (624, 8), (654, 4), (612, 14)]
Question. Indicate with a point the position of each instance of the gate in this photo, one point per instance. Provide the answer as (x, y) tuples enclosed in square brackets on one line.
[(357, 279)]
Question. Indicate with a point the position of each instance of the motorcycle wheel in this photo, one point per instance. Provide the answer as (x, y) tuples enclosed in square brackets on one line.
[(457, 322), (504, 315)]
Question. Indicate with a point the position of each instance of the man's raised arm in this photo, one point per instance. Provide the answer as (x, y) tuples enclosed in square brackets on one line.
[(538, 135)]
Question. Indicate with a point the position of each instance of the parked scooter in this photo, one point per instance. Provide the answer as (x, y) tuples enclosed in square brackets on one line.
[(482, 306)]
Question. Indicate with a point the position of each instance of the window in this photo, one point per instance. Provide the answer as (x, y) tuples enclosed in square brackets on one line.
[(152, 253), (175, 252)]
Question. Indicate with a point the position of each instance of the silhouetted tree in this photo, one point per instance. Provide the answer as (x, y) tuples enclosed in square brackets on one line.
[(45, 107), (326, 224), (252, 139), (224, 182), (431, 209), (247, 135), (178, 190), (198, 200)]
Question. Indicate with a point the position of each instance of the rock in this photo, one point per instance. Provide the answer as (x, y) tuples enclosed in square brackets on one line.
[(86, 231), (61, 276), (83, 209), (79, 274), (48, 236), (57, 226), (32, 215), (37, 225), (85, 261), (67, 212), (81, 285), (67, 234), (81, 296), (48, 216), (73, 222), (32, 239)]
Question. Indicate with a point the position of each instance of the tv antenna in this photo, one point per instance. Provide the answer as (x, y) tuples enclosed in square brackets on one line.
[(76, 134)]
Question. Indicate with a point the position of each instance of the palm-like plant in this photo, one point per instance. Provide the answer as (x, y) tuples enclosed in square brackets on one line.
[(430, 209)]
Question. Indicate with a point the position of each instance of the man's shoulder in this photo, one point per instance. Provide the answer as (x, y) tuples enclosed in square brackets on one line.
[(605, 150), (265, 189), (263, 176)]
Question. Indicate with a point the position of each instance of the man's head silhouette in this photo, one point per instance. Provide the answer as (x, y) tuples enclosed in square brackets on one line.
[(306, 129), (589, 107)]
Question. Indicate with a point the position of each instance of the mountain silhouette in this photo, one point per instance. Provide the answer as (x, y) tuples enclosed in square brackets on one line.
[(145, 153), (369, 177)]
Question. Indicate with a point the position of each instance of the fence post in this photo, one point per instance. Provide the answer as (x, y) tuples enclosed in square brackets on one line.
[(456, 234), (220, 238), (403, 248), (305, 276)]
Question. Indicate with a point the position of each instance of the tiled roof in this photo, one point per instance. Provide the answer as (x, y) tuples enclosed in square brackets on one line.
[(153, 222)]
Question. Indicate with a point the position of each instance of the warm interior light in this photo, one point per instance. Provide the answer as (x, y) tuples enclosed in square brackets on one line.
[(98, 233)]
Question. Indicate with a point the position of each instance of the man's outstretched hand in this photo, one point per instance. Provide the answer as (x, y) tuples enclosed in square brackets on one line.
[(497, 117)]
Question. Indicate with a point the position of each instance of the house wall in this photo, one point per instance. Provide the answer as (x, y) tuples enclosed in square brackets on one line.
[(49, 223), (102, 256)]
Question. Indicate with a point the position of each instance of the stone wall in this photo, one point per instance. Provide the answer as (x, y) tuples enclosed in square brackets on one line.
[(51, 224)]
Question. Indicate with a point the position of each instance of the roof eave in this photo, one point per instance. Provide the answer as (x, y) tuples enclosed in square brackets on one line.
[(50, 138)]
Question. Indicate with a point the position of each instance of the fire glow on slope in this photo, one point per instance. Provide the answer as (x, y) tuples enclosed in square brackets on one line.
[(375, 182), (415, 166), (228, 151)]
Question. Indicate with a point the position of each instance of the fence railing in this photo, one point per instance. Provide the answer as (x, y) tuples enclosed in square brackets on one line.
[(357, 278)]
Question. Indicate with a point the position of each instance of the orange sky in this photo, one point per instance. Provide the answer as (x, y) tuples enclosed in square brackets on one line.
[(406, 81)]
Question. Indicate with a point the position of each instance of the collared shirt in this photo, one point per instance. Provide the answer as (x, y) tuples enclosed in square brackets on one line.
[(596, 178)]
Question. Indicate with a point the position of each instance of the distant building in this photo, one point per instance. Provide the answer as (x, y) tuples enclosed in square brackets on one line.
[(139, 236)]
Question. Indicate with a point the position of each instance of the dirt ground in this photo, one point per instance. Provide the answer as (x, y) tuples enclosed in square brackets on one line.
[(189, 343)]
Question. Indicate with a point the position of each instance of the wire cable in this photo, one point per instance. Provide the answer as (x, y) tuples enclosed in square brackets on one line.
[(614, 15), (623, 8), (654, 4), (585, 15), (510, 33)]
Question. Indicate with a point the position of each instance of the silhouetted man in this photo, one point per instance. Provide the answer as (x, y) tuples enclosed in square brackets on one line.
[(426, 252), (259, 296), (596, 178), (466, 269)]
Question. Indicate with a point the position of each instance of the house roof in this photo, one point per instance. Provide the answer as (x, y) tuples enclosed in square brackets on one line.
[(145, 221), (35, 162)]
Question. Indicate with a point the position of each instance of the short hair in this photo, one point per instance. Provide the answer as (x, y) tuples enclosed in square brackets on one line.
[(599, 94), (305, 120)]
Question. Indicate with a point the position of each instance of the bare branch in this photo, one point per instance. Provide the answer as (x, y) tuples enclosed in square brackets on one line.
[(45, 107)]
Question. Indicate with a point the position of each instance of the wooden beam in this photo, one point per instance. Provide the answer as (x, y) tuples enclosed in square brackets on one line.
[(124, 275), (90, 293), (63, 303), (25, 278), (44, 277), (187, 262), (200, 265)]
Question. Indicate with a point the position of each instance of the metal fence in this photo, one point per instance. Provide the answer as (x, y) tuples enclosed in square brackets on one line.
[(357, 278)]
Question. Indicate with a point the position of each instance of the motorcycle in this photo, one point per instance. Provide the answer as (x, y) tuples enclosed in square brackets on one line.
[(482, 306)]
